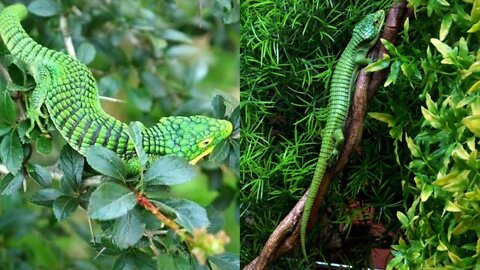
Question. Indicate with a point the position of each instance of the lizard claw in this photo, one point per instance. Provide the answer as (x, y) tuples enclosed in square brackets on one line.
[(34, 116)]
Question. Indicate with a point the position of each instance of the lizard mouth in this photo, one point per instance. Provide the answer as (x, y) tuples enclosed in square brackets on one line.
[(202, 155)]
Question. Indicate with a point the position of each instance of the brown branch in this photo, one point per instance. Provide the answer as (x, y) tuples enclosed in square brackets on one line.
[(285, 238)]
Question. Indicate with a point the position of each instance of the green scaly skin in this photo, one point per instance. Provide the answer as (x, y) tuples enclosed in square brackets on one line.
[(69, 92), (365, 34)]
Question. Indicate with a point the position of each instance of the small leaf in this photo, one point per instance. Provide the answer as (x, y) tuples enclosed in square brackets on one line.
[(134, 260), (169, 171), (182, 51), (382, 117), (110, 201), (189, 214), (9, 184), (41, 175), (106, 162), (44, 145), (443, 48), (219, 108), (46, 197), (11, 152), (393, 75), (8, 112), (378, 65), (445, 26), (64, 206), (175, 35), (86, 53), (452, 207), (127, 230), (427, 190), (226, 261), (414, 149), (71, 164), (473, 124), (390, 47), (44, 8), (431, 118), (135, 132), (166, 262), (403, 219), (220, 152)]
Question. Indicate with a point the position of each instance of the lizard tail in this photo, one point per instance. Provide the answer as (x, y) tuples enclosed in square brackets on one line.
[(323, 158), (14, 36)]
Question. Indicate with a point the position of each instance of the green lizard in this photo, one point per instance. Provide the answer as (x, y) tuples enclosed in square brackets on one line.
[(69, 92), (365, 34)]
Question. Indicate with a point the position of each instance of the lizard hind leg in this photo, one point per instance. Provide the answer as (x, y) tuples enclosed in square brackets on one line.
[(43, 78), (339, 139)]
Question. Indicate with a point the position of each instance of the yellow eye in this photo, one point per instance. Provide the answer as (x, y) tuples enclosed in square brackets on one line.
[(205, 143)]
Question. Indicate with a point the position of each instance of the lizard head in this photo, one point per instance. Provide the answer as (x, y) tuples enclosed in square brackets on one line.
[(191, 137), (368, 29)]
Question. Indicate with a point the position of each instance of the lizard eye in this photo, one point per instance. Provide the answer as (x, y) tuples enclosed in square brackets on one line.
[(205, 143)]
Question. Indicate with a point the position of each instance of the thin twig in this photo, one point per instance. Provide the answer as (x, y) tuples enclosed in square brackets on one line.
[(67, 39)]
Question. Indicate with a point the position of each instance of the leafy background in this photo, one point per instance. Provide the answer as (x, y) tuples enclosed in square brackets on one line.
[(161, 57), (415, 141)]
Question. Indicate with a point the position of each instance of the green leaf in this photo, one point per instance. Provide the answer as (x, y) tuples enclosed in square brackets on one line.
[(226, 261), (133, 261), (8, 112), (44, 145), (378, 65), (109, 85), (220, 152), (44, 8), (41, 175), (9, 184), (71, 164), (169, 171), (219, 108), (135, 132), (393, 75), (403, 219), (106, 162), (128, 230), (11, 152), (46, 196), (64, 206), (235, 118), (189, 214), (445, 26), (110, 201), (86, 53), (167, 261), (175, 35)]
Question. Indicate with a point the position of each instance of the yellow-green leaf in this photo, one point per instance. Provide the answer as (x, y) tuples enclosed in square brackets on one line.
[(443, 48), (452, 207), (382, 117), (460, 152), (431, 118), (473, 124), (441, 246), (415, 150), (445, 26), (474, 87)]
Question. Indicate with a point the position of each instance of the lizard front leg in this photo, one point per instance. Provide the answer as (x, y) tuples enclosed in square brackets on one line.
[(43, 79)]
